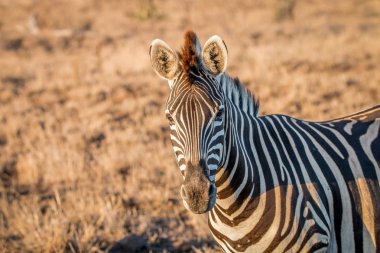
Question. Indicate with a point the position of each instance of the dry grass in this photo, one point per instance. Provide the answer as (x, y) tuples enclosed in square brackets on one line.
[(85, 158)]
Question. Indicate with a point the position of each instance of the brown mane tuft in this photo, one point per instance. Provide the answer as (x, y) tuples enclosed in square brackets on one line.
[(189, 55)]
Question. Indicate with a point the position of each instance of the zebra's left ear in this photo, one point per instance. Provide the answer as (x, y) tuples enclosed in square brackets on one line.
[(214, 55), (164, 61)]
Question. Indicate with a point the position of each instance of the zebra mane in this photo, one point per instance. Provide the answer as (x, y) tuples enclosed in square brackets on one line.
[(189, 55), (239, 95)]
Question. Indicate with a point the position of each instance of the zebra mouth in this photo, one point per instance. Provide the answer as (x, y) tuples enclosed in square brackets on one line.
[(199, 202)]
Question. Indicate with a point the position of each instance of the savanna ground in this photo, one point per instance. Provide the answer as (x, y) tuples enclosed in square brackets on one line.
[(85, 156)]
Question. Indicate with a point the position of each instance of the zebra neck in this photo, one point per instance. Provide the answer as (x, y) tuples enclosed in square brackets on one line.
[(237, 180)]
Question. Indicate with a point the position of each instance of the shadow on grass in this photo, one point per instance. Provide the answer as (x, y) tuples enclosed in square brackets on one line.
[(136, 243)]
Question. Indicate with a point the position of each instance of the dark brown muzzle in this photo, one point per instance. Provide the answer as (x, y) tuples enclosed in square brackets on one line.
[(197, 191)]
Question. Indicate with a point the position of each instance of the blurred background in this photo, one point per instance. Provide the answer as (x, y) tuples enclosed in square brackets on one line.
[(86, 164)]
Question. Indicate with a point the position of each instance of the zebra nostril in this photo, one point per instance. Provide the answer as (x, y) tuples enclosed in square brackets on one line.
[(211, 190)]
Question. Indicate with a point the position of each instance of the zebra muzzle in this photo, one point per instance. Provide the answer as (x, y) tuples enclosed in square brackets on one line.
[(197, 191)]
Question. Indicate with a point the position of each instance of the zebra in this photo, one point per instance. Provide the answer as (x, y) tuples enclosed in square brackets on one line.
[(268, 183)]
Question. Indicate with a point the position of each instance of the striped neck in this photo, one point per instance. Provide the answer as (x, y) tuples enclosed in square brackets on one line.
[(241, 127), (237, 180)]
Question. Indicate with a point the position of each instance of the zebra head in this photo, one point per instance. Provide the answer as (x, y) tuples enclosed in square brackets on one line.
[(195, 111)]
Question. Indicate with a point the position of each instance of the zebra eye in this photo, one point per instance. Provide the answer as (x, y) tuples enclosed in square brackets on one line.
[(170, 118), (219, 114)]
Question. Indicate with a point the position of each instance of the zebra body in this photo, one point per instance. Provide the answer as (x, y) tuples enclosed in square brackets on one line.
[(314, 184), (270, 183)]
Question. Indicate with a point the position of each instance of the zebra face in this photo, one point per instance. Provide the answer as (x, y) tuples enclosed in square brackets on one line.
[(195, 112), (197, 135)]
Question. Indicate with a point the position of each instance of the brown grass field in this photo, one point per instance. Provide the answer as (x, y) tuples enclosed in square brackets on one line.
[(85, 156)]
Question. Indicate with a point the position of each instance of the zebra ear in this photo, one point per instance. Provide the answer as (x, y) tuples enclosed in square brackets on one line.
[(164, 61), (214, 55)]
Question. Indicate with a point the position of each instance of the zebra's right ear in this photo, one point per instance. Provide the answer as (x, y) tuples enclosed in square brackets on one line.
[(164, 61), (214, 55)]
